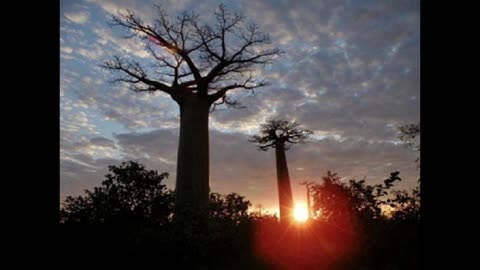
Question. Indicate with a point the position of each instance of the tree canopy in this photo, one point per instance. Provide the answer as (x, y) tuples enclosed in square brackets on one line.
[(191, 57), (280, 132)]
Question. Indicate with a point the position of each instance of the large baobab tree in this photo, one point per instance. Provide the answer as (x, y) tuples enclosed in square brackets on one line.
[(197, 65), (281, 134)]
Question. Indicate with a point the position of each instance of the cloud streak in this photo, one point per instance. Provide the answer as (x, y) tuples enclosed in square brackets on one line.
[(77, 17)]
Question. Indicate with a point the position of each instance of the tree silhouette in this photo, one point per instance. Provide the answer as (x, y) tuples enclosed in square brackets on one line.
[(409, 134), (129, 217), (281, 134), (393, 177), (197, 65), (332, 199), (231, 208), (130, 193), (358, 204), (407, 205)]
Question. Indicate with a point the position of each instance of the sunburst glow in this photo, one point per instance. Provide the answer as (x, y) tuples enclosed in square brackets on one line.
[(300, 213)]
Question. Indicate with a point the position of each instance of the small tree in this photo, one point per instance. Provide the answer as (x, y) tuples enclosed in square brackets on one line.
[(332, 199), (281, 134), (353, 203), (130, 193), (229, 208)]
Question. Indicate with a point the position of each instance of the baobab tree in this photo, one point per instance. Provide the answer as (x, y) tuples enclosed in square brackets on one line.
[(281, 134), (197, 65)]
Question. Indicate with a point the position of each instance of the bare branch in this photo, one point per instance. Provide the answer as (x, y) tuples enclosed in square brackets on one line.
[(162, 34), (408, 133), (225, 100), (248, 84), (189, 57), (136, 75), (243, 57)]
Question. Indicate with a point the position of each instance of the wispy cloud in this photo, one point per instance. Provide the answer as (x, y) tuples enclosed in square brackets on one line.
[(79, 17), (67, 50), (92, 53), (350, 72)]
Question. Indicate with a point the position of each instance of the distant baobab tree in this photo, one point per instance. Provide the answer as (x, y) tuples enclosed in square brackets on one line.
[(309, 207), (197, 65), (281, 134)]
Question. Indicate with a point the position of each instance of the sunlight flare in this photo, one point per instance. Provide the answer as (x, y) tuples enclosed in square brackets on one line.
[(300, 213)]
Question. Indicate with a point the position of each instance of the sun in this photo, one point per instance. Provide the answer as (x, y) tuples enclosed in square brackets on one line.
[(300, 213)]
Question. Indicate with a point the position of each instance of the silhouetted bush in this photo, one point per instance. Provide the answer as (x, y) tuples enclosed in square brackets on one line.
[(130, 193), (128, 221), (356, 209)]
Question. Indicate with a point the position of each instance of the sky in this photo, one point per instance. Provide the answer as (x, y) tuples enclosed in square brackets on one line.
[(350, 73)]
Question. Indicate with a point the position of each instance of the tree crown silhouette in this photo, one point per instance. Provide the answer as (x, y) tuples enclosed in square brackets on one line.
[(274, 133), (193, 58)]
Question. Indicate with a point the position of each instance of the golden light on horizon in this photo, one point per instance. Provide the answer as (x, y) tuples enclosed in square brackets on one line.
[(300, 213)]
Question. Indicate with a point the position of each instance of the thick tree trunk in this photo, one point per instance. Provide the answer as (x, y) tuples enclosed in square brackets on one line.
[(192, 183), (284, 189)]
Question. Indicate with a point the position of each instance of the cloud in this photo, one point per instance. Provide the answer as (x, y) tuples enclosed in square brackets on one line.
[(76, 173), (91, 54), (112, 7), (80, 17), (237, 165), (103, 142), (351, 73), (67, 50)]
